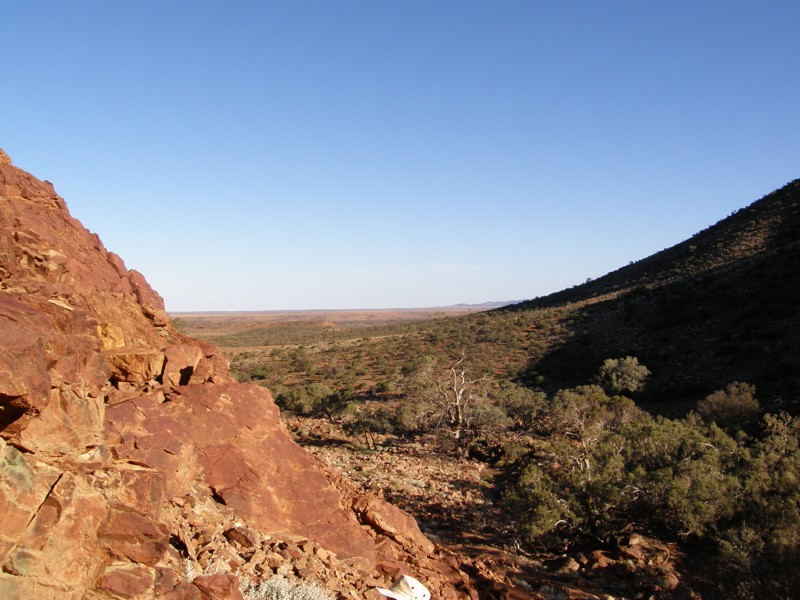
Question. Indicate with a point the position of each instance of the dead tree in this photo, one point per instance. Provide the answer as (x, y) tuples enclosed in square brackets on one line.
[(447, 400)]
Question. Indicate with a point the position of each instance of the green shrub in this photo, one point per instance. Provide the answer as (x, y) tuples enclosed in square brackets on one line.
[(521, 404), (543, 508), (618, 375), (765, 542), (368, 422), (586, 414), (608, 463), (313, 399)]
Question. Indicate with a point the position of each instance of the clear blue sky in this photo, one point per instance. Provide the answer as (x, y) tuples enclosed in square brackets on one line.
[(347, 154)]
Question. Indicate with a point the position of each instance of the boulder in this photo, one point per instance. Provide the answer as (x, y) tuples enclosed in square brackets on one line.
[(181, 362)]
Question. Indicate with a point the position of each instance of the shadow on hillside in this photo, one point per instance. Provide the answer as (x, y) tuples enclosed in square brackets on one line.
[(696, 336)]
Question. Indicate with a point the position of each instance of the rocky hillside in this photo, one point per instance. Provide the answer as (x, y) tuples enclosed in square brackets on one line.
[(133, 466), (719, 307)]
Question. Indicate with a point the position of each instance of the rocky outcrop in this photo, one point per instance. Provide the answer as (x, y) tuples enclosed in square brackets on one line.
[(131, 463)]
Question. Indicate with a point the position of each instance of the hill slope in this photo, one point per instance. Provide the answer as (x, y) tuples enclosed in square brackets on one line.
[(718, 307)]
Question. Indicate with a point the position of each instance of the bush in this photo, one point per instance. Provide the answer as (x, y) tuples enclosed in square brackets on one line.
[(587, 414), (732, 407), (609, 463), (313, 400), (490, 420), (685, 473), (542, 507), (619, 375), (304, 400), (764, 546), (521, 404), (369, 422)]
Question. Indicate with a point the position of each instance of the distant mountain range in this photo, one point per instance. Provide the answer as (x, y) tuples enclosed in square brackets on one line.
[(485, 305)]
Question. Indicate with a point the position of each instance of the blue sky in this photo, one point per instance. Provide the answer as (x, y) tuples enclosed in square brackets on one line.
[(364, 154)]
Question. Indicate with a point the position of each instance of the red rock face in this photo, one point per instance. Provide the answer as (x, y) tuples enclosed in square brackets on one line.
[(228, 438), (131, 464)]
